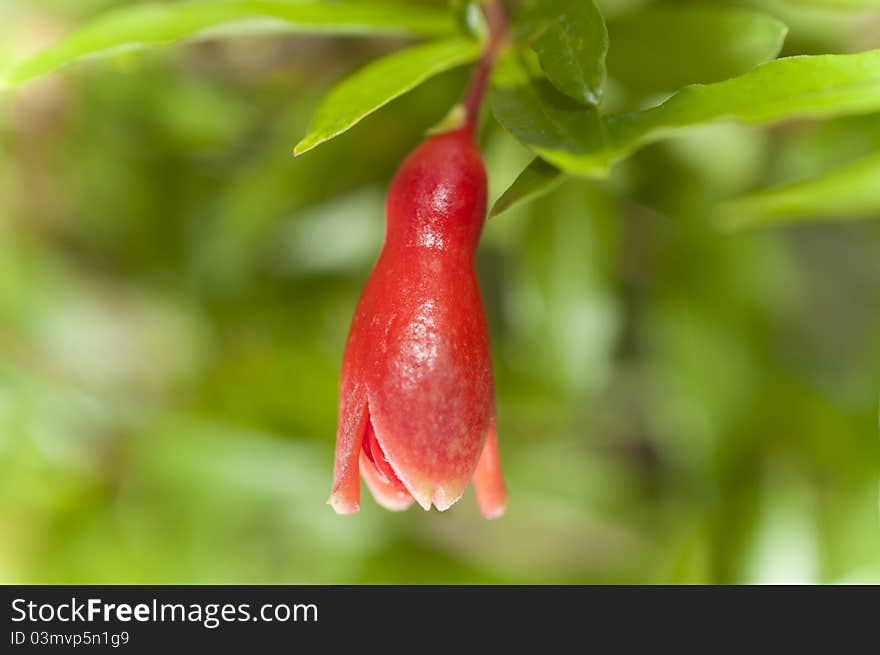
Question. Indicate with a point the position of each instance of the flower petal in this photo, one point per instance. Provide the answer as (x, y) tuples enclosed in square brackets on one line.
[(488, 480), (386, 495), (353, 415), (376, 456), (420, 463)]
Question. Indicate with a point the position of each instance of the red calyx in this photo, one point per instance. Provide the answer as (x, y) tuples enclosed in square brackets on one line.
[(416, 400), (417, 411)]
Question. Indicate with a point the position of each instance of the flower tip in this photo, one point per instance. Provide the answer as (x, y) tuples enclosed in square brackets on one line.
[(488, 480), (492, 512), (342, 506), (429, 494), (443, 499), (422, 502)]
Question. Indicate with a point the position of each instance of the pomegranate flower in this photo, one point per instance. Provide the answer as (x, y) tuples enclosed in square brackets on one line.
[(416, 400)]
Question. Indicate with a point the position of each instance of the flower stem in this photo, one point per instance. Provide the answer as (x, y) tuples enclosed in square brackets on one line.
[(496, 17)]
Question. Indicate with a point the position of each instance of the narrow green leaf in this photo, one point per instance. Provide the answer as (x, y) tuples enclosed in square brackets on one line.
[(851, 191), (537, 179), (660, 49), (807, 86), (153, 24), (570, 39), (379, 83)]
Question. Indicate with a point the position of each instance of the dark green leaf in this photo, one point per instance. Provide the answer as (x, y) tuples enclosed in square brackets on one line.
[(584, 143), (571, 40), (662, 48), (556, 127)]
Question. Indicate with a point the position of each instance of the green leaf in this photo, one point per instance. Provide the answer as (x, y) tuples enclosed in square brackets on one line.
[(660, 49), (851, 191), (537, 179), (556, 127), (379, 83), (570, 39), (584, 143), (153, 24), (858, 5)]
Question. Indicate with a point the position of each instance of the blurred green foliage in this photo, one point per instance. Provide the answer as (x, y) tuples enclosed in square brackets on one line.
[(676, 404)]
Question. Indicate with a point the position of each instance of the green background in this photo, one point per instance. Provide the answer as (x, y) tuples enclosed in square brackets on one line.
[(676, 403)]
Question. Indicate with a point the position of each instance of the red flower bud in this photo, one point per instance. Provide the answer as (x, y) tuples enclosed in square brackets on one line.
[(416, 406)]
